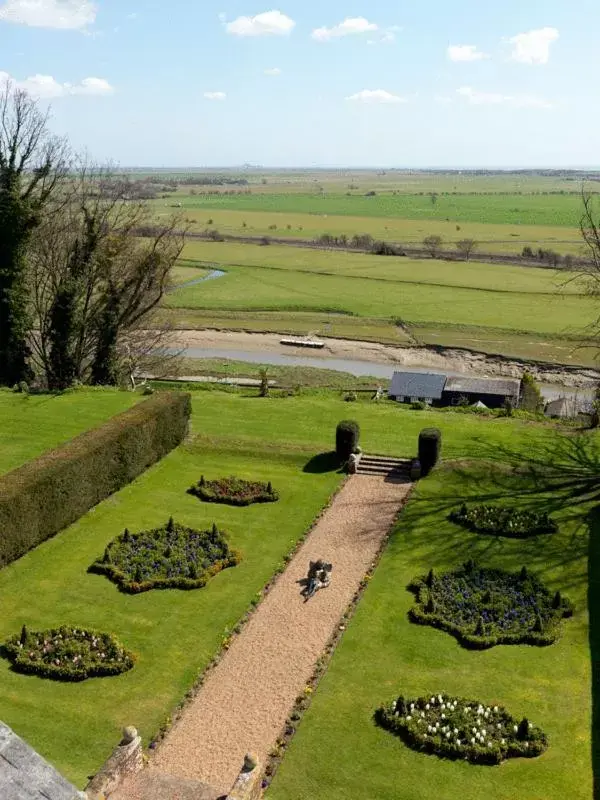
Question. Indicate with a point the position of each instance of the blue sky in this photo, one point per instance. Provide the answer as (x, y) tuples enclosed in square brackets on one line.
[(305, 83)]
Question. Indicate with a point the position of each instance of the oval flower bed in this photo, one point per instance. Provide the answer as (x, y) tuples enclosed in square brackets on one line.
[(171, 557), (452, 727), (67, 654), (503, 521), (234, 491), (485, 607)]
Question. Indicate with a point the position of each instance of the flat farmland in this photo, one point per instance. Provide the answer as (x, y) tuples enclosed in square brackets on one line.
[(527, 209)]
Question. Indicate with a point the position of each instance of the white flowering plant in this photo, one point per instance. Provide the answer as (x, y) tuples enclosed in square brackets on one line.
[(67, 653), (456, 728)]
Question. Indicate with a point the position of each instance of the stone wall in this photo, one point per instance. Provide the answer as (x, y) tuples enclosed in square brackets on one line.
[(126, 759), (248, 785)]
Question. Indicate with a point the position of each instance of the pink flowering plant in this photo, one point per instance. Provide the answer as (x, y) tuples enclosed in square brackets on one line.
[(455, 728), (171, 557), (234, 491), (67, 654)]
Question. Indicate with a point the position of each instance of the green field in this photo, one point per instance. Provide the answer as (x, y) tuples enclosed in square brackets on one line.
[(32, 424), (383, 655), (526, 209), (176, 633)]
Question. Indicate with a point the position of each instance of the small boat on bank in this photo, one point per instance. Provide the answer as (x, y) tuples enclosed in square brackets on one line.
[(293, 341)]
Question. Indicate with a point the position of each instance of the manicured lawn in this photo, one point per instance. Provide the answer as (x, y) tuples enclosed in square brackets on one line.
[(338, 751), (174, 633), (32, 424)]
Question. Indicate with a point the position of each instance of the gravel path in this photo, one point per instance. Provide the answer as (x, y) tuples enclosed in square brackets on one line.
[(244, 703)]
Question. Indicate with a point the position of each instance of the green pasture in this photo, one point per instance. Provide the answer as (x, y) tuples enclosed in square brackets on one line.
[(260, 289), (500, 238), (526, 209), (183, 274), (33, 424), (383, 655), (466, 274)]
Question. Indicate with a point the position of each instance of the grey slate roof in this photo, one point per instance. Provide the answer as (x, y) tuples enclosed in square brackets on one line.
[(25, 775), (417, 384), (503, 387)]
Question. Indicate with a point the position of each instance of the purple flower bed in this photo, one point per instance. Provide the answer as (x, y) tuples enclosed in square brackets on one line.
[(485, 607), (503, 521), (452, 727), (67, 654), (234, 491), (171, 557)]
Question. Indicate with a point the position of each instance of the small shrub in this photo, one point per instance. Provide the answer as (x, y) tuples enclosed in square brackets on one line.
[(419, 405), (430, 446), (171, 557), (67, 654), (234, 491), (456, 728), (350, 397), (503, 521), (347, 435), (486, 607)]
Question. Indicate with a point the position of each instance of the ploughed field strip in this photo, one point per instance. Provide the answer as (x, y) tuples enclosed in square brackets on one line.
[(244, 703)]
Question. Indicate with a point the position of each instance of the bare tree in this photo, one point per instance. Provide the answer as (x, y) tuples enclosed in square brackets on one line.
[(590, 231), (466, 247), (98, 270), (433, 245), (33, 164)]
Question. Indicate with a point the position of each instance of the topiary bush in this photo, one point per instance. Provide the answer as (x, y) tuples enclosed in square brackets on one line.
[(485, 607), (347, 435), (456, 728), (234, 491), (67, 654), (171, 557), (503, 521), (430, 447)]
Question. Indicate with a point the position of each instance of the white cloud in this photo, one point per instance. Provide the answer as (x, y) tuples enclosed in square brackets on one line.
[(533, 47), (465, 52), (477, 98), (270, 23), (375, 96), (273, 72), (215, 96), (46, 87), (349, 27), (62, 14)]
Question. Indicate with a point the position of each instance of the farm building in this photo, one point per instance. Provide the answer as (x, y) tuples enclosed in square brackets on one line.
[(410, 387), (440, 390), (492, 392)]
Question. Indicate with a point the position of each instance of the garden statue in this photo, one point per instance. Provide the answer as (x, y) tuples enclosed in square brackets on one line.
[(319, 576)]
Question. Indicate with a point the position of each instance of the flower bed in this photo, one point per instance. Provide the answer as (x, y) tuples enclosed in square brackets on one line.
[(452, 727), (171, 557), (67, 654), (503, 521), (234, 491), (485, 607)]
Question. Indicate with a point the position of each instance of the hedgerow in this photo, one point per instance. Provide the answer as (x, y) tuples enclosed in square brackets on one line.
[(44, 496)]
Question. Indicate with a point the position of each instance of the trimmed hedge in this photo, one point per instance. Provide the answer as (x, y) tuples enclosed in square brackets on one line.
[(234, 491), (45, 495), (171, 557), (347, 435), (430, 446), (67, 654), (503, 521), (456, 728), (484, 607)]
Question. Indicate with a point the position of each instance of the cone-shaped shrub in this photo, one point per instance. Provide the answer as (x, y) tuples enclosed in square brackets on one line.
[(430, 446), (346, 438)]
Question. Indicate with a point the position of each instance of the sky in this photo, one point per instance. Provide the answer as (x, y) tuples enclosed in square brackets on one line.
[(341, 83)]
